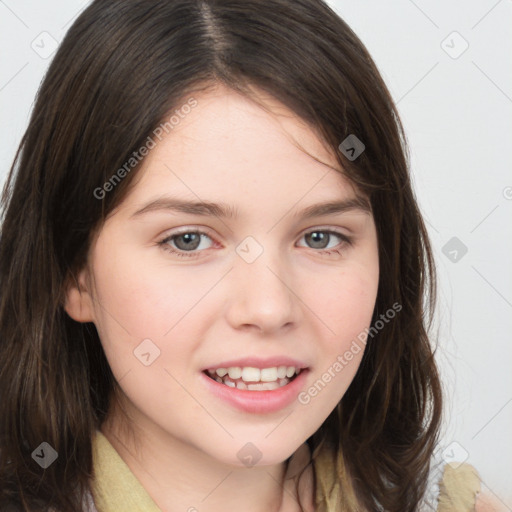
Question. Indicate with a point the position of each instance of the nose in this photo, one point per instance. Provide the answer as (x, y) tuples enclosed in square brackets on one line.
[(262, 295)]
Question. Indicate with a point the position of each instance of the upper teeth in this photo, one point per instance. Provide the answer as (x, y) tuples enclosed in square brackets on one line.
[(250, 374)]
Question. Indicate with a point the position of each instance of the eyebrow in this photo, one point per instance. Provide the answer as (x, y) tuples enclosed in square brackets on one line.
[(223, 210)]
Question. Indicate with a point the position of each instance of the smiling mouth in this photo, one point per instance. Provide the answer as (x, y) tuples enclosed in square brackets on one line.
[(249, 385)]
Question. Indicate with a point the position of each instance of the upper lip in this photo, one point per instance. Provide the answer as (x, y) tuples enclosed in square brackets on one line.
[(258, 362)]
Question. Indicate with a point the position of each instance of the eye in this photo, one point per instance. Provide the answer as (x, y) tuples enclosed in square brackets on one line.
[(321, 237), (185, 244)]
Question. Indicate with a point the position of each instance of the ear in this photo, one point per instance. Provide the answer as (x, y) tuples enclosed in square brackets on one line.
[(78, 302)]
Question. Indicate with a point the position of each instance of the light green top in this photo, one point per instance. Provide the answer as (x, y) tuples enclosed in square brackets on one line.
[(116, 488)]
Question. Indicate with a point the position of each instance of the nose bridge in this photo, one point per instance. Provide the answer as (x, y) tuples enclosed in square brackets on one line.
[(262, 295)]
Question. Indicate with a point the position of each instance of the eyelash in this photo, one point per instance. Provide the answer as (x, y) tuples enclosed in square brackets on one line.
[(164, 244)]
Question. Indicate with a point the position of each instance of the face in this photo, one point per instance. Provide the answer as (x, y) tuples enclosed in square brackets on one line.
[(174, 292)]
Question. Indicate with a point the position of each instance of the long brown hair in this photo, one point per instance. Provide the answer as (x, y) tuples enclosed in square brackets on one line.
[(121, 68)]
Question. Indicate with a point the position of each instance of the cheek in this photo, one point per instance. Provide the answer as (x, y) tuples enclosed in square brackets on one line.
[(344, 312), (347, 305), (143, 297), (140, 299), (142, 323)]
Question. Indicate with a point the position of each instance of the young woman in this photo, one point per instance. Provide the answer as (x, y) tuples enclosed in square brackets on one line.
[(215, 279)]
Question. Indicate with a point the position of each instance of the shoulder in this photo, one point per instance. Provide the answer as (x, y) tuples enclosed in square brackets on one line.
[(458, 488), (461, 490)]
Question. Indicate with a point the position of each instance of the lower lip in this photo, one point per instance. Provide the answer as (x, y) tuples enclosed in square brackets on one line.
[(258, 402)]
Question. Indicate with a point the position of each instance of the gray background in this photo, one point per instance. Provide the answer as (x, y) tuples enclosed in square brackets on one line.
[(456, 105)]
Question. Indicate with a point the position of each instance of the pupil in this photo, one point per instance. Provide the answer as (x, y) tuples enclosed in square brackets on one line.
[(189, 241), (317, 237)]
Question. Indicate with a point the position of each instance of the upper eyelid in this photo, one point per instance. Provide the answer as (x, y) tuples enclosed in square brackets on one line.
[(206, 231)]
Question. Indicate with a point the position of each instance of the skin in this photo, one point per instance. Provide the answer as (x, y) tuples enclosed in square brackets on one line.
[(292, 300), (486, 502)]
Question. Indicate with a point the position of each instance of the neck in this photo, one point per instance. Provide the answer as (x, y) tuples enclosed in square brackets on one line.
[(179, 477)]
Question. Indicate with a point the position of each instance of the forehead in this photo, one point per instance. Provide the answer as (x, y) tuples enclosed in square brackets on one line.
[(229, 149), (262, 127)]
